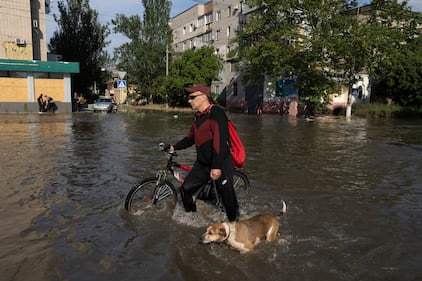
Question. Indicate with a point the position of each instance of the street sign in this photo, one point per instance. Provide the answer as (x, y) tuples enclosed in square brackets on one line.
[(121, 74), (121, 84)]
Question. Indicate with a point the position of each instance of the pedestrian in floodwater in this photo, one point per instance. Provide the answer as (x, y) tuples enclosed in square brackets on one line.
[(41, 103), (307, 108)]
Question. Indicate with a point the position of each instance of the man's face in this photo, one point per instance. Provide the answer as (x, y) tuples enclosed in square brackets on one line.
[(196, 99)]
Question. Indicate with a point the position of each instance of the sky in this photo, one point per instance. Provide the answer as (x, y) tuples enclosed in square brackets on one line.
[(107, 10)]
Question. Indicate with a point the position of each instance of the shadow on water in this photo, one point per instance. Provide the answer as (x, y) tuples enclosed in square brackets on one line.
[(353, 191)]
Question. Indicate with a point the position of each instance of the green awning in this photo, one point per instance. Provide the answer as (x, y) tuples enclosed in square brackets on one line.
[(39, 66)]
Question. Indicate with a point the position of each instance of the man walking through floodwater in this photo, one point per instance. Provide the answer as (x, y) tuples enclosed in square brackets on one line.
[(210, 134)]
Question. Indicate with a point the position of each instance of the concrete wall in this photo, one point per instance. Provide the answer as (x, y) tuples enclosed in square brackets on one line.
[(31, 107), (361, 92), (17, 22)]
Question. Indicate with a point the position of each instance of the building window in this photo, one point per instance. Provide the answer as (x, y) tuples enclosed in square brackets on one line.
[(184, 30), (229, 11), (40, 75), (201, 21), (207, 37), (218, 16), (228, 31), (217, 89), (18, 74), (53, 75), (235, 89), (233, 67), (217, 35)]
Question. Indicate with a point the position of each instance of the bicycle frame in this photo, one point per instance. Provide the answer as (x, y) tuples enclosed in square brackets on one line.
[(171, 165), (171, 168)]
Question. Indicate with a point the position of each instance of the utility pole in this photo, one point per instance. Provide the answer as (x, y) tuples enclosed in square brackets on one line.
[(167, 72)]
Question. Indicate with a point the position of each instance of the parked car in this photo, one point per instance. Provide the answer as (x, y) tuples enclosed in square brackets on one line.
[(104, 104)]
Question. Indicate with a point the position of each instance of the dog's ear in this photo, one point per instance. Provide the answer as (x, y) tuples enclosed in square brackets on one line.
[(222, 231)]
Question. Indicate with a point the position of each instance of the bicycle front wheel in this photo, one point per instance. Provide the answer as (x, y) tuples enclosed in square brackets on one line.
[(150, 192)]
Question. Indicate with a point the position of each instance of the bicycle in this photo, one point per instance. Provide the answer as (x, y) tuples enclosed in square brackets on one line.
[(159, 191)]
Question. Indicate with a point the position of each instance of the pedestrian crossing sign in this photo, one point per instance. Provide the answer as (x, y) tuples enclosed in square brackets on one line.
[(121, 84)]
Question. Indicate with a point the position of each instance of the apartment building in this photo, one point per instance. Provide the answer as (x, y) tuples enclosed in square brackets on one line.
[(25, 72), (215, 23), (192, 28)]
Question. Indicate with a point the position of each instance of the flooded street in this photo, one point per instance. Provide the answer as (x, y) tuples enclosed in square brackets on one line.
[(353, 192)]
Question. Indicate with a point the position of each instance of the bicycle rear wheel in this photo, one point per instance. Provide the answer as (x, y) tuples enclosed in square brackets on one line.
[(149, 192), (240, 182)]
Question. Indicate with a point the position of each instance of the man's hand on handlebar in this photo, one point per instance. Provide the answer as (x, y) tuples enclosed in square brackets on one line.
[(166, 147)]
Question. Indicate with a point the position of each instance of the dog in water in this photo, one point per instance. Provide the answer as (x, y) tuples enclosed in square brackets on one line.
[(244, 235)]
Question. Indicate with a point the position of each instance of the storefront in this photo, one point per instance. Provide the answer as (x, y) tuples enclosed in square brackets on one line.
[(22, 81)]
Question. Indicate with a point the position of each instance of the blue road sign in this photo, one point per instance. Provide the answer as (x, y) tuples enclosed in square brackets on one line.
[(121, 84)]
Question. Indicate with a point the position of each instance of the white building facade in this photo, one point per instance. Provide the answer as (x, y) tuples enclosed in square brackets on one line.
[(214, 23)]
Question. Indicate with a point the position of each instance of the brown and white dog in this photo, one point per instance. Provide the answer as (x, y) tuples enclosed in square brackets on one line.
[(244, 235)]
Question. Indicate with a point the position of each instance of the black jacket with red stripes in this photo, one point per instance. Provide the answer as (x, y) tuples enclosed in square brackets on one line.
[(210, 134)]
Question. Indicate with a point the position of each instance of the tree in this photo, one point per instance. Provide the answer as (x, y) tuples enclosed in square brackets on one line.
[(199, 66), (398, 71), (80, 38), (300, 40), (144, 57), (322, 39), (401, 76), (126, 55)]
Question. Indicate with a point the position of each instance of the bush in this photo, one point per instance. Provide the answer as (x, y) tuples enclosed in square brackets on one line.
[(379, 110)]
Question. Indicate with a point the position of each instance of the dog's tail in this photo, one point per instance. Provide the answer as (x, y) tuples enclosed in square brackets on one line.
[(283, 209)]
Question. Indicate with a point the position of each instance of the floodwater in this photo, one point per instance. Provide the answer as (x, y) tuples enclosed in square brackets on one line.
[(353, 191)]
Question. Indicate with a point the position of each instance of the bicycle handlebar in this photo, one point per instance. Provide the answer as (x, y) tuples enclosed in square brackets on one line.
[(166, 148), (170, 154), (163, 147)]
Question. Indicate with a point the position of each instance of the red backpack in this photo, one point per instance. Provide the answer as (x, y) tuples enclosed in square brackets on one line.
[(237, 147)]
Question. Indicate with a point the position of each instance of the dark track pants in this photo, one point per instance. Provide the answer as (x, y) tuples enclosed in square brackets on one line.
[(200, 175)]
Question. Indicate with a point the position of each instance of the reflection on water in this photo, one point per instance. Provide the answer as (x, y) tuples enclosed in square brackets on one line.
[(353, 191)]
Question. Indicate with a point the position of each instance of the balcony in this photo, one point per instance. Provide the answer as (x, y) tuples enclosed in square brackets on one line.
[(208, 27)]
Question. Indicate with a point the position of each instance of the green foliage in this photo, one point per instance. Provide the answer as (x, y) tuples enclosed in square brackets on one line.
[(80, 38), (199, 66), (400, 77), (144, 57), (380, 110), (331, 38), (308, 38)]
